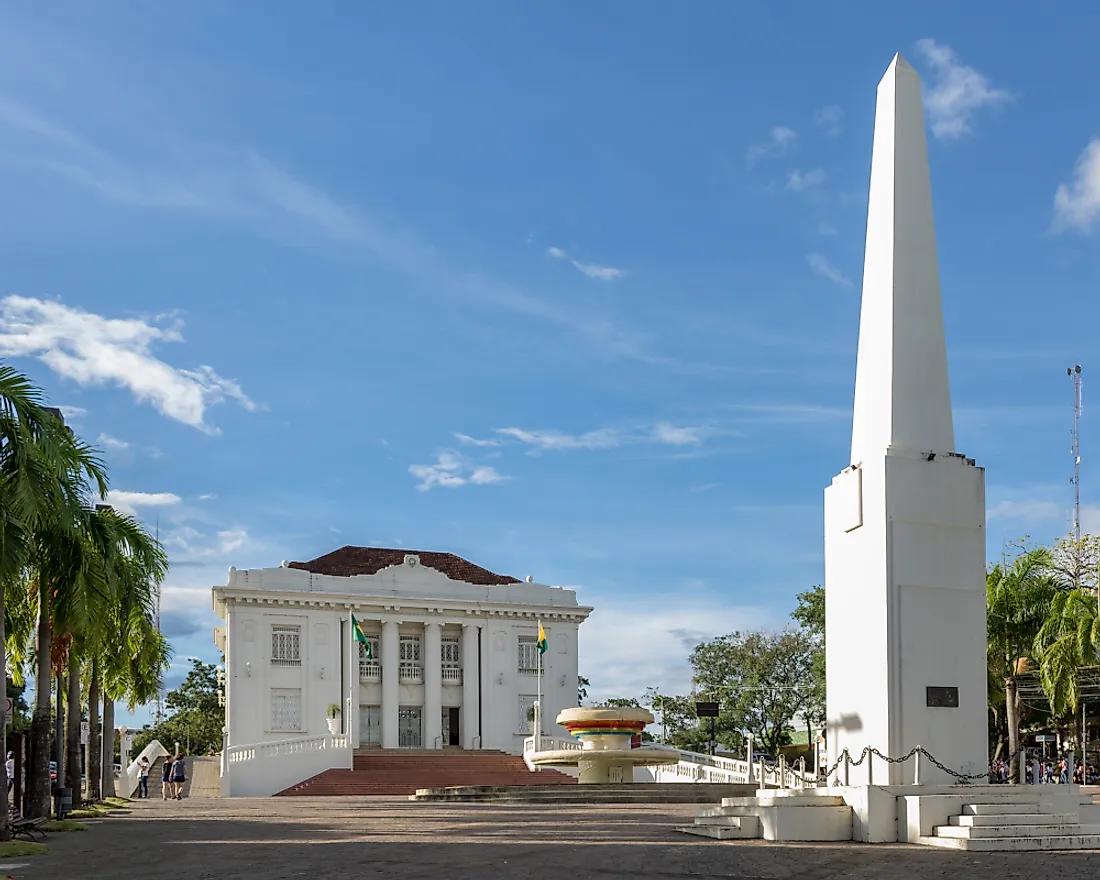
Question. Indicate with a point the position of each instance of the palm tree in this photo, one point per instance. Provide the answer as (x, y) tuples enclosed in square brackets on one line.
[(43, 474), (1068, 640), (1018, 599), (137, 566)]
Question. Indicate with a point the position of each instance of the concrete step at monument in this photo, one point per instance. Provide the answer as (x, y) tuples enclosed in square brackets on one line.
[(1016, 844), (1002, 807), (1031, 819), (801, 800), (976, 832), (739, 828)]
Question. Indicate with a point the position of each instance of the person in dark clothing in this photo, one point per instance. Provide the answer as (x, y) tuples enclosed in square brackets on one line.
[(179, 777)]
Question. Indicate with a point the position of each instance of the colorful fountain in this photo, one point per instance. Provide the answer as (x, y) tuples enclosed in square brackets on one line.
[(606, 755)]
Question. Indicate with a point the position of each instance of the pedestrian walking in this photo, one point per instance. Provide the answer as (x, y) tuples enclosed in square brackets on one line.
[(143, 777), (9, 767), (166, 778), (179, 777)]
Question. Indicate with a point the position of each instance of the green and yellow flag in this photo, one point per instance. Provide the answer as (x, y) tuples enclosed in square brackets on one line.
[(542, 645), (361, 638)]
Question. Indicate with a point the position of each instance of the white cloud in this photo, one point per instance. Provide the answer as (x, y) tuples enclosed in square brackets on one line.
[(553, 440), (130, 502), (956, 93), (603, 273), (830, 119), (73, 413), (1027, 510), (113, 442), (1077, 204), (92, 350), (780, 140), (800, 180), (473, 441), (209, 496), (673, 435), (825, 269), (451, 471), (231, 539)]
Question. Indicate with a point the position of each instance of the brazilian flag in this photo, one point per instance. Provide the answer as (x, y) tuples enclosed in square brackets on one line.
[(542, 645), (361, 638)]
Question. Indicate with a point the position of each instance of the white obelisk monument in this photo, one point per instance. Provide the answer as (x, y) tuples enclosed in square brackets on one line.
[(905, 522)]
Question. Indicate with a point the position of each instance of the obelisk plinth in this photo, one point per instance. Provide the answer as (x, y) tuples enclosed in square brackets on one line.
[(905, 522)]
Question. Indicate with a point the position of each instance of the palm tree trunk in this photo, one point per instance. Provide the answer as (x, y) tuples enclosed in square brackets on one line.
[(72, 727), (1012, 717), (4, 833), (108, 768), (38, 779), (95, 791)]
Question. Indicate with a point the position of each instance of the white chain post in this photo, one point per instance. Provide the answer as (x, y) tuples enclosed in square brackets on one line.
[(847, 768), (916, 766)]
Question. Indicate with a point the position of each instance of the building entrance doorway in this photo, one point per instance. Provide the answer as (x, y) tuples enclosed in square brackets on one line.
[(370, 725), (450, 726), (410, 730)]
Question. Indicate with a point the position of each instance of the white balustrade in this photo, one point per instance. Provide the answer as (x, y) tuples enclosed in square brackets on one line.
[(452, 674), (411, 673), (250, 771), (370, 670)]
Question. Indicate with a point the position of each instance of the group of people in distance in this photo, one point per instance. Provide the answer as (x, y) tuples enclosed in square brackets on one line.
[(172, 778)]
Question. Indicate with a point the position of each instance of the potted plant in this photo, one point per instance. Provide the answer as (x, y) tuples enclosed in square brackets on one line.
[(333, 714)]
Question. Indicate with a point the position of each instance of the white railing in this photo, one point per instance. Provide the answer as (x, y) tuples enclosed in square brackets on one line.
[(370, 670), (262, 769), (523, 670), (411, 673), (452, 674), (548, 744)]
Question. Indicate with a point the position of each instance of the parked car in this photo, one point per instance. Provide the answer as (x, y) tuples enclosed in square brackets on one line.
[(757, 757)]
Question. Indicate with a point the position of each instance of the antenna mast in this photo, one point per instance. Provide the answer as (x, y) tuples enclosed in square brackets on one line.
[(156, 622), (1074, 373)]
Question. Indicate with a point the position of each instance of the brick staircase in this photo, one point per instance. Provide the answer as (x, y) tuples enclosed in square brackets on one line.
[(402, 771)]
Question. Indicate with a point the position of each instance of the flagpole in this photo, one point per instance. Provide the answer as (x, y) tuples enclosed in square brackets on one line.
[(538, 714)]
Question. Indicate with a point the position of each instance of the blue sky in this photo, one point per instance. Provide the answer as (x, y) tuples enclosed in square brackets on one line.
[(569, 291)]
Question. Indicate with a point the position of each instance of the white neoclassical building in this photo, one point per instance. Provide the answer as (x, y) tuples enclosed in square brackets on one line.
[(454, 651)]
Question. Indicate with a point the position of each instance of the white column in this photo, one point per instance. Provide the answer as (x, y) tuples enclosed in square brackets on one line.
[(430, 660), (351, 724), (390, 662), (470, 685)]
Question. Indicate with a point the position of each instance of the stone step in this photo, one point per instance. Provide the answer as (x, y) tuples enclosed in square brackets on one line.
[(749, 823), (1036, 819), (804, 800), (1015, 844), (976, 832), (1002, 807), (745, 828)]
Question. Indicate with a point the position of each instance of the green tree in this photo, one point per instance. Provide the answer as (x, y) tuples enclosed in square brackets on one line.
[(1075, 562), (196, 716), (810, 615), (762, 680), (1069, 639), (583, 684), (1018, 599), (680, 727), (44, 474)]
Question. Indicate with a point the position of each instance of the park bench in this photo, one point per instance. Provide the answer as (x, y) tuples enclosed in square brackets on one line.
[(27, 828)]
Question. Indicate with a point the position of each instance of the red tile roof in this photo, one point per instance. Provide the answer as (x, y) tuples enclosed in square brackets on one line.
[(350, 561)]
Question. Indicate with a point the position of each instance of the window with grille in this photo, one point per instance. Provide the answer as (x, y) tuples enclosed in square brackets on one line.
[(410, 649), (286, 709), (528, 654), (449, 652), (374, 655), (286, 645)]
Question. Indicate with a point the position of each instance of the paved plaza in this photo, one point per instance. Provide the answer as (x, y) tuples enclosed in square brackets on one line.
[(278, 838)]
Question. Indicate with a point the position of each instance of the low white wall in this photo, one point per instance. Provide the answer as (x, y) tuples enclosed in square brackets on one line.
[(268, 768), (128, 779)]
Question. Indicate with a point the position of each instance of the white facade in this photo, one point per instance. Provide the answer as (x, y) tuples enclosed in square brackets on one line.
[(905, 521), (454, 662)]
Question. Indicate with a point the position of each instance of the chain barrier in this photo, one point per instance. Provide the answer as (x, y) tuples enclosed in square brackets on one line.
[(868, 750)]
